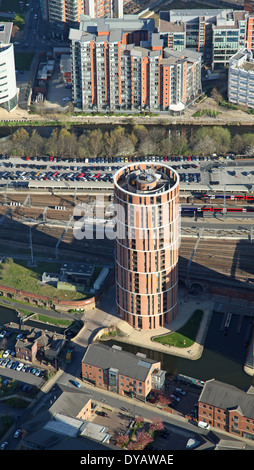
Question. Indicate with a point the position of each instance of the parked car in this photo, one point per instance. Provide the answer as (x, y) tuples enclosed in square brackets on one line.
[(4, 445), (6, 353), (101, 413), (76, 383), (17, 433), (181, 391), (174, 397)]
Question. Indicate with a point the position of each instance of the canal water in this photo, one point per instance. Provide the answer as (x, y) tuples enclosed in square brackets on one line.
[(211, 365), (224, 364), (8, 315), (222, 359)]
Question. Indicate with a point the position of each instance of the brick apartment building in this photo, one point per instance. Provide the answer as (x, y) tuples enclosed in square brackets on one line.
[(121, 64), (227, 408), (146, 250), (119, 371)]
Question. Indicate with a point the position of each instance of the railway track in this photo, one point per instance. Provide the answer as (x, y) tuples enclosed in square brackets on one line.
[(230, 259)]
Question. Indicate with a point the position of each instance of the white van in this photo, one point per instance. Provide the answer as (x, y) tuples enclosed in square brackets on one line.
[(203, 424)]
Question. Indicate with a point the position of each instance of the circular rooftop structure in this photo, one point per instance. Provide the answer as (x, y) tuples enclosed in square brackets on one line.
[(146, 179)]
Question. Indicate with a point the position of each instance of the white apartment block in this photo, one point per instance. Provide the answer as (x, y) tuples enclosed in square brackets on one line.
[(8, 85), (241, 78)]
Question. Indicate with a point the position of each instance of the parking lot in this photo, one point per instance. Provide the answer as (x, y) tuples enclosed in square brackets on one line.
[(13, 368), (190, 169), (172, 437), (57, 93)]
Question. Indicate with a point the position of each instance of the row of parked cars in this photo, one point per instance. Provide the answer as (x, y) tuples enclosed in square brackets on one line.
[(176, 396), (105, 159), (7, 360), (190, 177), (55, 176)]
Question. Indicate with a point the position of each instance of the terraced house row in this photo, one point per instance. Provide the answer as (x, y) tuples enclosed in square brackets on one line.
[(123, 64)]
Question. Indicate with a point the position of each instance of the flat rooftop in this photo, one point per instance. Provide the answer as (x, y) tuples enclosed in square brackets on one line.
[(5, 32)]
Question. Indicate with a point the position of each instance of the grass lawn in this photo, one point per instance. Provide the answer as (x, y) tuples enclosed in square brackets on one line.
[(23, 60), (18, 275), (12, 5), (54, 321), (186, 336)]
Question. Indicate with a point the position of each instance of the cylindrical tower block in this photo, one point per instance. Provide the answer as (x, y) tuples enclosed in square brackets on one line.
[(147, 241)]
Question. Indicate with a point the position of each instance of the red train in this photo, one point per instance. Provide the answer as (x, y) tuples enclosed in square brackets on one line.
[(185, 210), (232, 197)]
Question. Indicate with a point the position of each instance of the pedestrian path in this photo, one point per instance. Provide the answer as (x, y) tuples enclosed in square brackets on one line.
[(144, 338)]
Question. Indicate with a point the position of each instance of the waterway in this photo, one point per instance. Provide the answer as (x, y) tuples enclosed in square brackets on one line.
[(210, 365), (185, 129), (221, 365), (8, 315), (223, 356)]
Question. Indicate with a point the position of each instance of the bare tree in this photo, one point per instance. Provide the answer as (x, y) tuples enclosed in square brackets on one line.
[(216, 95), (20, 140), (36, 143), (51, 144)]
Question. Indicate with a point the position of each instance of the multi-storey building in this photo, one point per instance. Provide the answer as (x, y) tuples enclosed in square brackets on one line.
[(241, 78), (216, 33), (121, 65), (63, 14), (65, 11), (103, 8), (147, 239), (249, 6), (227, 408), (8, 86), (121, 372)]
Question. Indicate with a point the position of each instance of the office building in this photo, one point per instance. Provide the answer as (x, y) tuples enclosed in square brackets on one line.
[(113, 369), (216, 33), (147, 237), (8, 85), (121, 65), (241, 78)]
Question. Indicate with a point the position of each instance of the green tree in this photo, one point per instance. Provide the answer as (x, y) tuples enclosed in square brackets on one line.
[(249, 143), (220, 137), (238, 144)]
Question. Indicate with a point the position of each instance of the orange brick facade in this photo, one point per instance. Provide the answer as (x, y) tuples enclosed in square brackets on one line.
[(147, 251)]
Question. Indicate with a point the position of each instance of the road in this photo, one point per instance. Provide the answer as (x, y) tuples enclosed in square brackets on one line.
[(95, 320)]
